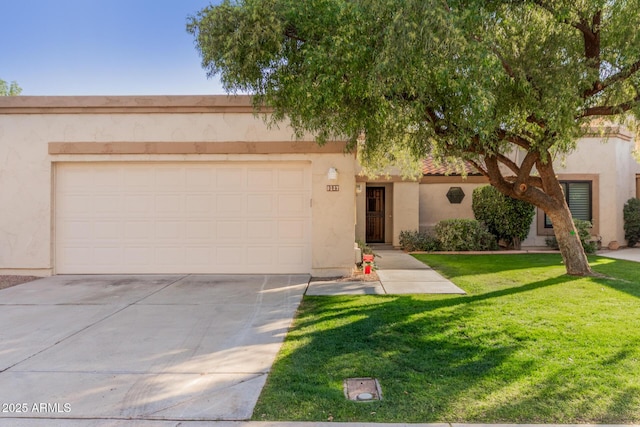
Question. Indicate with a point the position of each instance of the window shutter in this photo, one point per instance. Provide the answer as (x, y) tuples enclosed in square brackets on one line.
[(578, 195), (579, 199)]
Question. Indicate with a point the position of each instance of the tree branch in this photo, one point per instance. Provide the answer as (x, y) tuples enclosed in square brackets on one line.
[(534, 120), (514, 139), (479, 168), (508, 163), (611, 110), (291, 33), (619, 76)]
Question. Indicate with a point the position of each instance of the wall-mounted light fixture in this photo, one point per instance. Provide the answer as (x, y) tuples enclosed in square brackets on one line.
[(358, 188), (332, 175), (455, 195)]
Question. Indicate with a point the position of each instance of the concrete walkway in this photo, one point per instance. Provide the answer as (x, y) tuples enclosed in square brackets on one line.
[(399, 273), (629, 254)]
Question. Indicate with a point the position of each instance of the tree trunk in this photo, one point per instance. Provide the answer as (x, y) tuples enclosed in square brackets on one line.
[(573, 255), (546, 193)]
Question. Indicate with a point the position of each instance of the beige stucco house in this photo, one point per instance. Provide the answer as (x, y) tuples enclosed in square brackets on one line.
[(598, 179), (199, 184)]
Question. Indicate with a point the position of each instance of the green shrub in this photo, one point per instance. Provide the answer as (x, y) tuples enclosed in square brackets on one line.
[(631, 213), (583, 228), (412, 240), (364, 248), (464, 235), (506, 218)]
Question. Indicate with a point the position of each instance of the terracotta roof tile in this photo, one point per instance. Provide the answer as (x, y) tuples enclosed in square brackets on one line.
[(429, 167)]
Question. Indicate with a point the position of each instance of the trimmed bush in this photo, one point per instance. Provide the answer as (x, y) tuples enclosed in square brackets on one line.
[(631, 213), (506, 218), (464, 235), (583, 228), (412, 240)]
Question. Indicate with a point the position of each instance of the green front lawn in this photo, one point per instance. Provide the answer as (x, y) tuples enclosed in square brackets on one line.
[(528, 344)]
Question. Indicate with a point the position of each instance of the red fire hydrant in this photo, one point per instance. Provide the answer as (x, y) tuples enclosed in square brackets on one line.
[(367, 260)]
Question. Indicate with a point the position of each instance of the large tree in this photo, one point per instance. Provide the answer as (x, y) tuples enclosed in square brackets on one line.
[(11, 89), (506, 85)]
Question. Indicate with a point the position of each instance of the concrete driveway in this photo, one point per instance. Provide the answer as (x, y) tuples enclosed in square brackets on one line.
[(141, 347)]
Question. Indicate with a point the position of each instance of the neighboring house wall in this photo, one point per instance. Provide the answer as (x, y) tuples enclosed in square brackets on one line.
[(36, 133)]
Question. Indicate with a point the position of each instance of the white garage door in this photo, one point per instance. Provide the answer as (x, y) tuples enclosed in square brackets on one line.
[(183, 218)]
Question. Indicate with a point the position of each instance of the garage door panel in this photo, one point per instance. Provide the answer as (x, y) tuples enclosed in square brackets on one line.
[(291, 178), (169, 204), (291, 254), (76, 230), (137, 178), (260, 205), (200, 178), (230, 179), (169, 255), (200, 230), (138, 205), (170, 178), (138, 256), (168, 230), (229, 255), (260, 230), (198, 256), (230, 230), (107, 255), (261, 179), (137, 231), (108, 204), (183, 218), (107, 230), (107, 181), (202, 204), (230, 204), (292, 230), (74, 203), (292, 205)]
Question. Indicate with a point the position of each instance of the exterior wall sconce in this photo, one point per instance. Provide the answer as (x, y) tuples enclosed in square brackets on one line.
[(332, 175), (455, 195), (358, 188)]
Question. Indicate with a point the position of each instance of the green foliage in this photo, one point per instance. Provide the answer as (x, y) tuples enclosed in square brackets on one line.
[(421, 76), (584, 232), (9, 89), (464, 235), (364, 248), (506, 218), (631, 214), (413, 240)]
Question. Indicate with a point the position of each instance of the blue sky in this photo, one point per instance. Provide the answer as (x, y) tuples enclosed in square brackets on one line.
[(102, 47)]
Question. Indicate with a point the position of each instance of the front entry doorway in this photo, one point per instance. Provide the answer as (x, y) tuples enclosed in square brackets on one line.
[(375, 215)]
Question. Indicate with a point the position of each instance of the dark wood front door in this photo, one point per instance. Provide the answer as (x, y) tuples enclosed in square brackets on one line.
[(375, 215)]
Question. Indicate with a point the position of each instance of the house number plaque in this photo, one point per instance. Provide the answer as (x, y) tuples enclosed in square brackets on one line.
[(333, 188)]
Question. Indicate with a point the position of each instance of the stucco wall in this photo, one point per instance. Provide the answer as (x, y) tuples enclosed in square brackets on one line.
[(405, 208), (26, 173), (435, 207)]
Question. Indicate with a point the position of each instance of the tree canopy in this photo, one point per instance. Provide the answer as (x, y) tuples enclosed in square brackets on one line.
[(11, 89), (476, 80)]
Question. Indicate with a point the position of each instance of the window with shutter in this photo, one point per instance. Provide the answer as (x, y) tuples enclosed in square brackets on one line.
[(578, 196)]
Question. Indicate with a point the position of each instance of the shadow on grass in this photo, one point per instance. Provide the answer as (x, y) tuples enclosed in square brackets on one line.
[(477, 358)]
